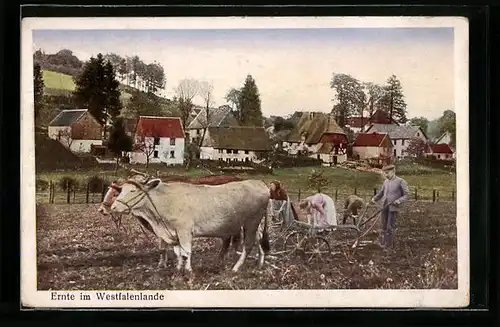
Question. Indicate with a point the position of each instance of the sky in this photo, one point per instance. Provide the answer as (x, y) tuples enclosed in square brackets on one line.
[(292, 67)]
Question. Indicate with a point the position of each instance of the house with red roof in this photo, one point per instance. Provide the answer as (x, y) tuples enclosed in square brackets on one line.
[(440, 151), (373, 147), (158, 140)]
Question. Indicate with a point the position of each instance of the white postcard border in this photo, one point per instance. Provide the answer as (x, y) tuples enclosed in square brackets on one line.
[(30, 297)]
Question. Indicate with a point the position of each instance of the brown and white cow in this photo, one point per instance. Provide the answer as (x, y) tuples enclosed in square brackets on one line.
[(179, 212), (115, 188)]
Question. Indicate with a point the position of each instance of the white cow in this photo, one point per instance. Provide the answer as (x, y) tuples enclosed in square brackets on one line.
[(178, 212)]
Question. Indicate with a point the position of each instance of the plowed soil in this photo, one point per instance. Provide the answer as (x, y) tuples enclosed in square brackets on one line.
[(78, 249)]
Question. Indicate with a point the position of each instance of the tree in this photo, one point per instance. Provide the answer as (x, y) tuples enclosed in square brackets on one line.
[(349, 97), (97, 90), (316, 180), (233, 97), (146, 146), (122, 69), (142, 104), (206, 92), (64, 136), (119, 141), (393, 100), (416, 147), (422, 122), (374, 93), (186, 91), (38, 86), (250, 105), (447, 123)]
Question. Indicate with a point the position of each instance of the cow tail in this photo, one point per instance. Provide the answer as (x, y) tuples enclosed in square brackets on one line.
[(264, 241)]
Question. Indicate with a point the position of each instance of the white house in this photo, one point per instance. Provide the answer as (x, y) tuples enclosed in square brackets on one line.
[(440, 151), (399, 135), (237, 143), (76, 129), (217, 117), (161, 139), (319, 135)]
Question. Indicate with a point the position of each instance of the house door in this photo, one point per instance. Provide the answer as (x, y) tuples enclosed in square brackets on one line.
[(394, 153), (335, 160)]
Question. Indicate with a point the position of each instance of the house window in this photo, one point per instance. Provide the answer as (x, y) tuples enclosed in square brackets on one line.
[(439, 156), (402, 142), (394, 152), (228, 151), (172, 154), (172, 141), (247, 159), (319, 156), (235, 151), (418, 134), (155, 154), (220, 151), (220, 159), (228, 160), (197, 132), (246, 151), (156, 141)]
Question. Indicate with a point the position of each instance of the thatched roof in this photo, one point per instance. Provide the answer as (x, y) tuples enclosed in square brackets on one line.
[(238, 138), (313, 125)]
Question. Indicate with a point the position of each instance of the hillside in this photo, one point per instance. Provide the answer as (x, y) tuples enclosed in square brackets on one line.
[(63, 84)]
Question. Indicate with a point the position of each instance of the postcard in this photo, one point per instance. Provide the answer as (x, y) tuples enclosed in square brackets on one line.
[(223, 162)]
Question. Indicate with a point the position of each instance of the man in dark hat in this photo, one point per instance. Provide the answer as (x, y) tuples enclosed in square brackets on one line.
[(395, 192)]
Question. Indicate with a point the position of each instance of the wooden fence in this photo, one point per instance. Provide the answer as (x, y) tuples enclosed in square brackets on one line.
[(55, 195)]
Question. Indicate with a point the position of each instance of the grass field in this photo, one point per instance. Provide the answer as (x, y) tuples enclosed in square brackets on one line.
[(62, 84), (341, 181)]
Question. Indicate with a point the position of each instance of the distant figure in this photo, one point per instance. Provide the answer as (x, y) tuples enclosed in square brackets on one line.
[(322, 208), (352, 205), (394, 190)]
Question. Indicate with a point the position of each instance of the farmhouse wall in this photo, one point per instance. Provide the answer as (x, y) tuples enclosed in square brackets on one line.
[(164, 152), (86, 128)]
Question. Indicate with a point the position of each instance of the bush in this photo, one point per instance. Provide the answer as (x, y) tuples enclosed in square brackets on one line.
[(68, 181), (96, 184), (41, 184)]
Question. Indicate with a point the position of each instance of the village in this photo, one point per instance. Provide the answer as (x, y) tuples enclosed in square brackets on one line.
[(376, 140)]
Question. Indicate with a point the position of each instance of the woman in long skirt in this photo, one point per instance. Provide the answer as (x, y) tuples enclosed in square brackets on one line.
[(322, 209), (281, 203)]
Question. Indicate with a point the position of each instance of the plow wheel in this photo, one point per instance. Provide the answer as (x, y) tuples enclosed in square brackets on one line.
[(295, 243), (317, 249)]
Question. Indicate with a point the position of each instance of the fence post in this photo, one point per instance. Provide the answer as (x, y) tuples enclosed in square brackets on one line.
[(336, 194), (103, 192), (87, 193), (74, 195), (50, 191), (355, 191), (298, 196), (453, 195), (374, 191), (437, 197), (53, 193), (416, 194), (68, 195), (433, 195)]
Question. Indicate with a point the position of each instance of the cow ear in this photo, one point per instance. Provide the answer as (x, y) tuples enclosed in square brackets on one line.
[(153, 183)]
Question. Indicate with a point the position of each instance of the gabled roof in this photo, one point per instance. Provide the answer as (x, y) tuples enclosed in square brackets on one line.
[(238, 138), (370, 139), (217, 117), (313, 125), (440, 148), (442, 137), (357, 122), (153, 126), (67, 117), (394, 131), (381, 117)]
